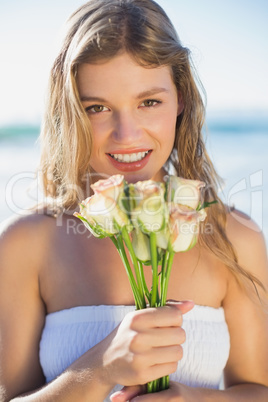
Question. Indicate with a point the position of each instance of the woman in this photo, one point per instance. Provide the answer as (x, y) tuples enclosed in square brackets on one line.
[(123, 99)]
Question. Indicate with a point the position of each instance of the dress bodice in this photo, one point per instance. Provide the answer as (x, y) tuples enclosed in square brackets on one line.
[(69, 333)]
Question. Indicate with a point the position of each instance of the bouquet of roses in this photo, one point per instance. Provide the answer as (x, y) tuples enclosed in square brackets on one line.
[(153, 221)]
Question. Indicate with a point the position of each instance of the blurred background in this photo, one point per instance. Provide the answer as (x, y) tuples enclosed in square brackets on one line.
[(228, 41)]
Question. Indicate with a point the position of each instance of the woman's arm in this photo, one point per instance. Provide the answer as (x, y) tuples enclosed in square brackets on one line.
[(246, 373), (247, 316), (145, 345), (182, 393), (22, 312), (22, 317)]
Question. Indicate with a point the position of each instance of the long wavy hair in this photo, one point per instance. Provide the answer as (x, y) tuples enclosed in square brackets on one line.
[(98, 31)]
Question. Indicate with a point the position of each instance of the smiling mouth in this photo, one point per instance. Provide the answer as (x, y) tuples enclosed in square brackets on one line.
[(129, 158)]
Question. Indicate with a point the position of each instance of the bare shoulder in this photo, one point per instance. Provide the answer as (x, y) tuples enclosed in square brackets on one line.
[(240, 223), (32, 219), (28, 224), (248, 242), (22, 239)]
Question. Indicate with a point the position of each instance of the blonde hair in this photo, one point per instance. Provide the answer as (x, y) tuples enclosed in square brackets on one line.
[(97, 31)]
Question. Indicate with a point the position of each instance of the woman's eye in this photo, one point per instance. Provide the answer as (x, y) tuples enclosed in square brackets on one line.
[(150, 102), (96, 109)]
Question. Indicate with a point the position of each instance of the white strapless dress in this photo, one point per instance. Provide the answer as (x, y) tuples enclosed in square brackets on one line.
[(68, 334)]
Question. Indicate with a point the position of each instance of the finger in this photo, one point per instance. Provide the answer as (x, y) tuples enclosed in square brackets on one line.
[(167, 316), (165, 355), (127, 393), (158, 338), (161, 370), (183, 306), (156, 396)]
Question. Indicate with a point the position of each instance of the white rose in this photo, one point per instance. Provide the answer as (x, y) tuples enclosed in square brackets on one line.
[(184, 227), (103, 213), (184, 192), (149, 210)]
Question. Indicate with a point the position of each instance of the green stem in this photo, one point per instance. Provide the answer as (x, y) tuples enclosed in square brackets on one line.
[(163, 275), (167, 276), (128, 243), (145, 288), (118, 242), (150, 387), (153, 249), (114, 240), (167, 382), (164, 383)]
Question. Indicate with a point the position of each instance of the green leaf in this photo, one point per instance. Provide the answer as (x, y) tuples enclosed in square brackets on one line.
[(96, 229), (83, 219), (147, 263), (206, 205)]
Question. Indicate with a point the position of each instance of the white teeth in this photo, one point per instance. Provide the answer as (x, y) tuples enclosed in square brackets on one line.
[(128, 158)]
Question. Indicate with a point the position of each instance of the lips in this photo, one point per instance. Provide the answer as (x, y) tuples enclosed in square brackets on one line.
[(129, 161)]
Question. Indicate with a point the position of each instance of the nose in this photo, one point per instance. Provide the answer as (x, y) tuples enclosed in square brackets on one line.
[(127, 129)]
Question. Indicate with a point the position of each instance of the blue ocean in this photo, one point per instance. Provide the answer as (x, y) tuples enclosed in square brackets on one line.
[(237, 146)]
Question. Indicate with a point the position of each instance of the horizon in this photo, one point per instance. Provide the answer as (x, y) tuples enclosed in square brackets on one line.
[(218, 117)]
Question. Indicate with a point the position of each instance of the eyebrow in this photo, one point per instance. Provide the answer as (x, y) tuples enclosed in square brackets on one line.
[(142, 95), (151, 92)]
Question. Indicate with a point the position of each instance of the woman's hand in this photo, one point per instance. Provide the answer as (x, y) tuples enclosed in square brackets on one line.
[(146, 345), (176, 392)]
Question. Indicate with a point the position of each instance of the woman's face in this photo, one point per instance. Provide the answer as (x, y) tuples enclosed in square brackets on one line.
[(133, 112)]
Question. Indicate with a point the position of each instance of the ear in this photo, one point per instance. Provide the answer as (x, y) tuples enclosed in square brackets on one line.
[(180, 104)]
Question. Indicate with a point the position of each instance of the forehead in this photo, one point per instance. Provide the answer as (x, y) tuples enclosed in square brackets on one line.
[(124, 73)]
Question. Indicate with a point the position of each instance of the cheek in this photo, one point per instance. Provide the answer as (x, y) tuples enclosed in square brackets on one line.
[(99, 132), (166, 129)]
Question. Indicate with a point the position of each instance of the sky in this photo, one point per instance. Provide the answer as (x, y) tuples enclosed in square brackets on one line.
[(228, 40)]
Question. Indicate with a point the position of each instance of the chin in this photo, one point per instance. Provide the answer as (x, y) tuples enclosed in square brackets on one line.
[(132, 177), (135, 177)]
